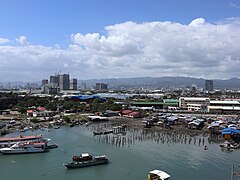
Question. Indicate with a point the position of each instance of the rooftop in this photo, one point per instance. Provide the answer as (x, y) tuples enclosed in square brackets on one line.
[(225, 102), (195, 98), (160, 173)]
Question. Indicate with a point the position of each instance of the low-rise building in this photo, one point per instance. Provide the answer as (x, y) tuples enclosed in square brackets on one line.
[(224, 107), (42, 113), (184, 102)]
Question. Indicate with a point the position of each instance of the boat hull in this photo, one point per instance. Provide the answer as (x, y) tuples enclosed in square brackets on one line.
[(102, 132), (8, 152), (75, 165)]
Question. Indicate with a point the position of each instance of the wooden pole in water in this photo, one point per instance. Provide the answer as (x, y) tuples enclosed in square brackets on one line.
[(232, 173)]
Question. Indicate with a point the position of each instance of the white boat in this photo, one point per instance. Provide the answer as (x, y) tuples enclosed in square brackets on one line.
[(9, 141), (229, 145), (158, 175), (26, 147)]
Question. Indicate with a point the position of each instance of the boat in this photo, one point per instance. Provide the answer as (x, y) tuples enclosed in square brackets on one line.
[(52, 146), (158, 175), (229, 145), (25, 147), (9, 141), (71, 125), (103, 132), (85, 160)]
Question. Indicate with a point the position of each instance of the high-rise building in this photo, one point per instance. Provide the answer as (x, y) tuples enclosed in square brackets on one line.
[(101, 86), (58, 83), (83, 86), (193, 88), (44, 82), (54, 79), (64, 82), (53, 88), (73, 84), (208, 85)]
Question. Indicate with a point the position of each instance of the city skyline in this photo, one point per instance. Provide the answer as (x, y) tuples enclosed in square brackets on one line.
[(119, 39)]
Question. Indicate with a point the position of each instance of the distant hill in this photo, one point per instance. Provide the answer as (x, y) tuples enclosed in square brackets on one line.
[(163, 82), (147, 82)]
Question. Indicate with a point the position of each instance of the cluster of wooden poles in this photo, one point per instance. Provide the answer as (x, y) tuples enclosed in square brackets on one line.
[(132, 136)]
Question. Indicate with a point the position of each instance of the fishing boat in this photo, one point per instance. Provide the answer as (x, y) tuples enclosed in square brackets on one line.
[(9, 141), (158, 175), (85, 160), (25, 147), (103, 132)]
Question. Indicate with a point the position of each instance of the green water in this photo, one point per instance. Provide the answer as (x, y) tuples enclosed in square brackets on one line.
[(130, 161)]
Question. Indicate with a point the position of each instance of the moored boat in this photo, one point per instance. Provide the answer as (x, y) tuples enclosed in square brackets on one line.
[(158, 175), (52, 146), (103, 132), (85, 160), (9, 141), (229, 145), (25, 147)]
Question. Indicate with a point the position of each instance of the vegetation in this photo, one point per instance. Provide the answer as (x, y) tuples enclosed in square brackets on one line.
[(99, 105), (67, 119), (23, 103), (8, 100)]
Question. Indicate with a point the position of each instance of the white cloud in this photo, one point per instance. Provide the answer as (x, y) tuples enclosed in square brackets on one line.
[(235, 5), (22, 40), (197, 49), (4, 40), (197, 22)]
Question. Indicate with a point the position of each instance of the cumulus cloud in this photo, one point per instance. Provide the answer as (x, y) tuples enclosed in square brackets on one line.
[(197, 22), (22, 40), (4, 40), (198, 49)]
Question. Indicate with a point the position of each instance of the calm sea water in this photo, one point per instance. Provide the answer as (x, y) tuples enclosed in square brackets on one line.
[(130, 161)]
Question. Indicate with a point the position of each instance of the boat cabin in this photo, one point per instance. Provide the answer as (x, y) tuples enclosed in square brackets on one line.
[(158, 175), (82, 157)]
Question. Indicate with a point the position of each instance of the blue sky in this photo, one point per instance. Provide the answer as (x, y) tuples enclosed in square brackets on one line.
[(44, 30)]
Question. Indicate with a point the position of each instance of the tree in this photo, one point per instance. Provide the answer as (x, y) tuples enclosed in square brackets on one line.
[(66, 119), (68, 105)]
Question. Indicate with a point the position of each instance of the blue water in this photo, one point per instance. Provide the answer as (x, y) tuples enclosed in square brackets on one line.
[(132, 160)]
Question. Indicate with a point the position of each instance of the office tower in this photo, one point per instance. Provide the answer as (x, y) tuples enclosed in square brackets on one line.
[(208, 85), (193, 88), (44, 82), (64, 82), (83, 86), (101, 86), (52, 88), (73, 84), (54, 79)]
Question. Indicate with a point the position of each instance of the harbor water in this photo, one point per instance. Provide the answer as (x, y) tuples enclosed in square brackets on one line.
[(131, 156)]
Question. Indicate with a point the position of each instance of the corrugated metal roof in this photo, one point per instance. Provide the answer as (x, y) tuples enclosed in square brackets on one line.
[(224, 102), (194, 98), (225, 107), (153, 103)]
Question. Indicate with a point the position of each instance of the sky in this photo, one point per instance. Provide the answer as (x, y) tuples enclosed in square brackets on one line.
[(98, 39)]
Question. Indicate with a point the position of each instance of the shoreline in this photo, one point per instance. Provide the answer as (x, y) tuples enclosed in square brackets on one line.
[(23, 125)]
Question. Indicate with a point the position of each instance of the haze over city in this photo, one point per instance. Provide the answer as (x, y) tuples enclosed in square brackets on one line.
[(119, 39)]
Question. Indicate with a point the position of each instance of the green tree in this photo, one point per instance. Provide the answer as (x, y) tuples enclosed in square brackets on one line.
[(67, 105), (67, 119)]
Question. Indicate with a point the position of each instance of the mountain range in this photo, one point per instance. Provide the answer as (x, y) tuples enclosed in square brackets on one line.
[(145, 82), (163, 82)]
